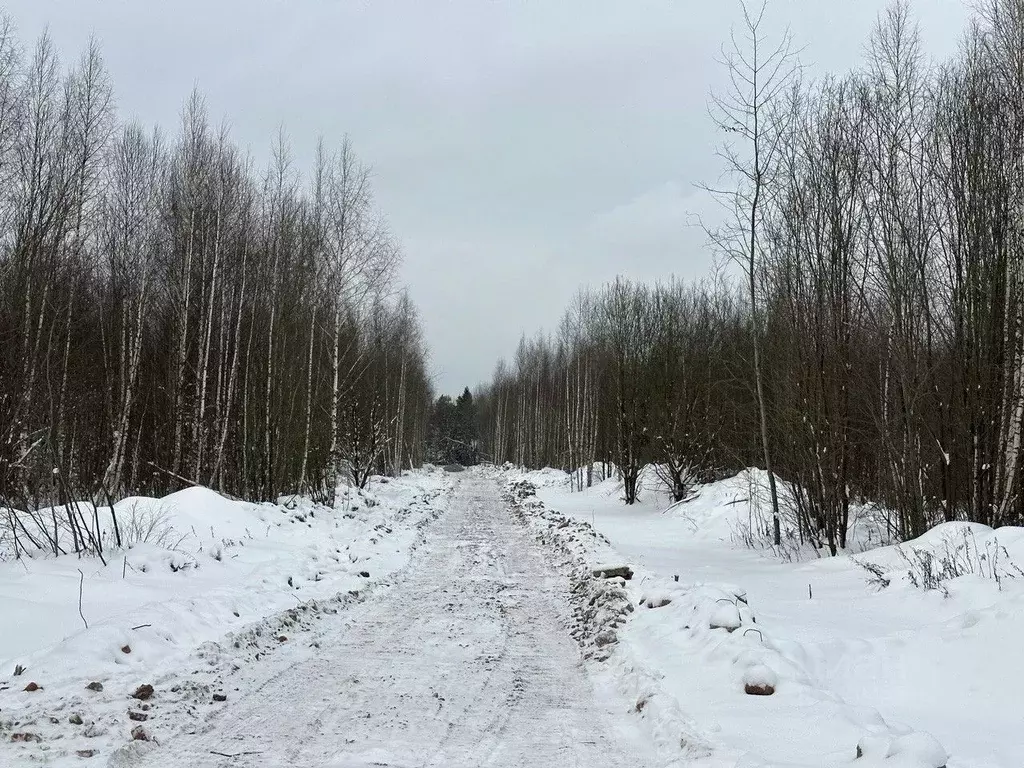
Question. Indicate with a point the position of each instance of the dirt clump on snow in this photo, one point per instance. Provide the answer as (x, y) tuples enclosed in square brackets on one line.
[(26, 737), (143, 692)]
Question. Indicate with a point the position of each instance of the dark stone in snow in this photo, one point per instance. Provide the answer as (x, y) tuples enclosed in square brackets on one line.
[(143, 692)]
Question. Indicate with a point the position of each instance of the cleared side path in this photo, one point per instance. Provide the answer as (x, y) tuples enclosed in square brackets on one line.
[(464, 661)]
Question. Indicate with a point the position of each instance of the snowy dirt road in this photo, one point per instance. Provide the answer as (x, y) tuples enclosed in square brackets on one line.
[(464, 659)]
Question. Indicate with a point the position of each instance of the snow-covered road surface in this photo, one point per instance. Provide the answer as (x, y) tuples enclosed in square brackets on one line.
[(464, 659)]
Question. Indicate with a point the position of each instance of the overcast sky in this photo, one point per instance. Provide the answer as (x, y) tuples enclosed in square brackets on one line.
[(521, 148)]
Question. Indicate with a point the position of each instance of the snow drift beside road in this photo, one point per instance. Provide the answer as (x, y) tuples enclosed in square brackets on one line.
[(893, 670), (218, 565)]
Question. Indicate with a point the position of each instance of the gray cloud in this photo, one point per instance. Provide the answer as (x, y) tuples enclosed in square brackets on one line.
[(521, 148)]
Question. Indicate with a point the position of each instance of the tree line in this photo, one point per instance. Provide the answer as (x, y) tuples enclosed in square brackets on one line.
[(170, 313), (877, 333), (453, 436)]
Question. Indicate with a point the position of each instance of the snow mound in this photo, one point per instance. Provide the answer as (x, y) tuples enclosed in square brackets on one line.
[(950, 556), (914, 750), (546, 478), (601, 609), (794, 685), (202, 565), (760, 676)]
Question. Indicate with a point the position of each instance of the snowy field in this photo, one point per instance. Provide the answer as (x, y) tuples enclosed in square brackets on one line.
[(200, 567), (860, 660)]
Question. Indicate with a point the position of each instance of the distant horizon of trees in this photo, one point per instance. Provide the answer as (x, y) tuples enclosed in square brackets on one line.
[(878, 221), (453, 436), (170, 314)]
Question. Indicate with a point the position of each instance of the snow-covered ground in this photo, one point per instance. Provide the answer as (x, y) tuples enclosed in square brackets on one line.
[(420, 624), (201, 567), (462, 661), (903, 674), (310, 637)]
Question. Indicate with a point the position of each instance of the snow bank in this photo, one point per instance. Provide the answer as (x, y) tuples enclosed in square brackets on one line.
[(949, 556), (712, 677), (853, 663), (540, 478), (736, 509), (216, 566), (600, 608)]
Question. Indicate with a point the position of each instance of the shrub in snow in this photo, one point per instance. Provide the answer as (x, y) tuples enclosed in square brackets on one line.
[(179, 561), (946, 553), (876, 575), (146, 521)]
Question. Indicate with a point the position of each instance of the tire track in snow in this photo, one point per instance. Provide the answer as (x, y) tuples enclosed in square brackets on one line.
[(464, 661)]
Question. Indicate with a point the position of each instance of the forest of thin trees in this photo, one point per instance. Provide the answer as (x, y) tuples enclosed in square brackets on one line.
[(877, 220), (173, 313)]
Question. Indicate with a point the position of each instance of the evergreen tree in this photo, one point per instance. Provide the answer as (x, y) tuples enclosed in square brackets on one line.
[(465, 440), (454, 437)]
